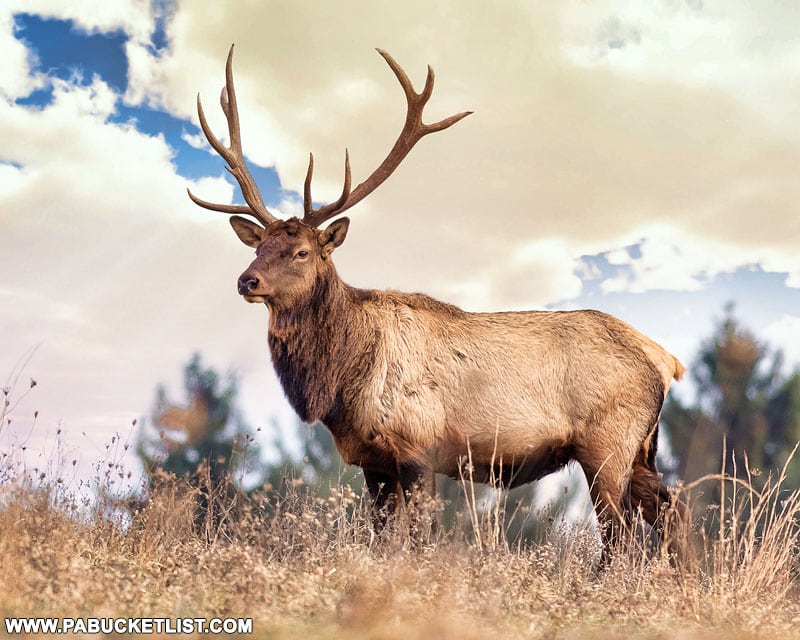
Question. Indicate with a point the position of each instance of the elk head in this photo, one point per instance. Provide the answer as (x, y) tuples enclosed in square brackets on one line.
[(290, 254)]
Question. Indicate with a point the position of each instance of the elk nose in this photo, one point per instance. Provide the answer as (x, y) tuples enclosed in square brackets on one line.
[(248, 283)]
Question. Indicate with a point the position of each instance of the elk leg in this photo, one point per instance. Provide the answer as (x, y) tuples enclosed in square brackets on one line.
[(611, 524), (385, 492), (419, 490), (662, 510), (606, 492)]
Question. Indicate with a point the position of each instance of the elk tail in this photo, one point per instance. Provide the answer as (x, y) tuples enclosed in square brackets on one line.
[(678, 370)]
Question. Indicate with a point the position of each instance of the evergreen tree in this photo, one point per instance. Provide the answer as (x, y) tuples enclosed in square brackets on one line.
[(746, 407), (203, 440)]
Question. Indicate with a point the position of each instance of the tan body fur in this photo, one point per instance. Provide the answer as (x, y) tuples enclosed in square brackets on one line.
[(410, 386), (502, 384)]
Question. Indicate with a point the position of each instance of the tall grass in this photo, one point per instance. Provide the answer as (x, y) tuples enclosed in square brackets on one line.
[(306, 563)]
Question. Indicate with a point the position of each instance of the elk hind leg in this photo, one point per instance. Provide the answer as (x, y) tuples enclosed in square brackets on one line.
[(662, 509), (605, 488)]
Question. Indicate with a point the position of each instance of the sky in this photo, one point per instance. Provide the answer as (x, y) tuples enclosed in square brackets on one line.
[(638, 158)]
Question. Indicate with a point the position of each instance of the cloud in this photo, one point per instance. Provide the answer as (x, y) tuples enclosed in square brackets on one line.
[(13, 179), (75, 158), (15, 78), (544, 272), (572, 142), (534, 275), (586, 133), (749, 52), (668, 259), (289, 208), (104, 258), (196, 141), (665, 259), (785, 332)]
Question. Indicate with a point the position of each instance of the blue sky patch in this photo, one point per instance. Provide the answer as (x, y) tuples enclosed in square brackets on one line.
[(163, 11), (65, 52), (37, 98), (190, 162)]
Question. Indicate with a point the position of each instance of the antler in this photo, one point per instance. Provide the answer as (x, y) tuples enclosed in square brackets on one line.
[(233, 155), (413, 130)]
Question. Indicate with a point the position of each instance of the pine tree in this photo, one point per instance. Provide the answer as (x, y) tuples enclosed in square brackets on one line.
[(203, 440), (747, 409)]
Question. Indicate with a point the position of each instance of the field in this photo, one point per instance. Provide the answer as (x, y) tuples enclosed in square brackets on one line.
[(307, 565)]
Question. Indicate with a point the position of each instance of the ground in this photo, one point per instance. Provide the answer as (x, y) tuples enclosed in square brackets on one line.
[(307, 565)]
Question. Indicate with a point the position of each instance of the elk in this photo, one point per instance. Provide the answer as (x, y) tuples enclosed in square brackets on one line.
[(411, 387)]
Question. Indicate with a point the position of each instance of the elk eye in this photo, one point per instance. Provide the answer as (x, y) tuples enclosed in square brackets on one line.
[(301, 254)]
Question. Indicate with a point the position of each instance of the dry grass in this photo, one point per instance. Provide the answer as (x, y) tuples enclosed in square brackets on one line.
[(309, 566)]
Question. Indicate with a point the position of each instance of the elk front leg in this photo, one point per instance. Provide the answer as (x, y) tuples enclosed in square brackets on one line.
[(412, 487), (419, 490), (386, 494)]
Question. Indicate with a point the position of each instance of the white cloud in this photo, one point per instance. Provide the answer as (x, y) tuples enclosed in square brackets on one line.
[(213, 189), (672, 260), (72, 154), (586, 270), (134, 17), (72, 100), (288, 208), (15, 77), (13, 179), (785, 333), (103, 258), (197, 141), (591, 151), (537, 274), (552, 147), (749, 51)]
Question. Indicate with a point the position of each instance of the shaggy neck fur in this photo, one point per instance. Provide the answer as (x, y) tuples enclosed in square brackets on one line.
[(313, 346)]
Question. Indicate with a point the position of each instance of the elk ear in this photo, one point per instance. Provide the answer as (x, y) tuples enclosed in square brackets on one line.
[(248, 231), (333, 235)]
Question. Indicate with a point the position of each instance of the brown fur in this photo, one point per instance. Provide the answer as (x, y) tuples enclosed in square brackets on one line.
[(410, 386)]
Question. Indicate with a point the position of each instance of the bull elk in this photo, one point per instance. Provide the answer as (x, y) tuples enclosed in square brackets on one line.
[(410, 386)]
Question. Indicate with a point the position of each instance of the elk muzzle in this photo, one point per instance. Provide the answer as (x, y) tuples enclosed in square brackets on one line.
[(249, 284)]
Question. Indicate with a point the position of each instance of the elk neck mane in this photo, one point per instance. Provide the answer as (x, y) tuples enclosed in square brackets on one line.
[(318, 343)]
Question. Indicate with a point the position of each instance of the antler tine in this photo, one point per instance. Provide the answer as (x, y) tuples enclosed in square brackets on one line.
[(307, 187), (233, 155), (405, 82), (413, 130), (309, 212), (224, 208)]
